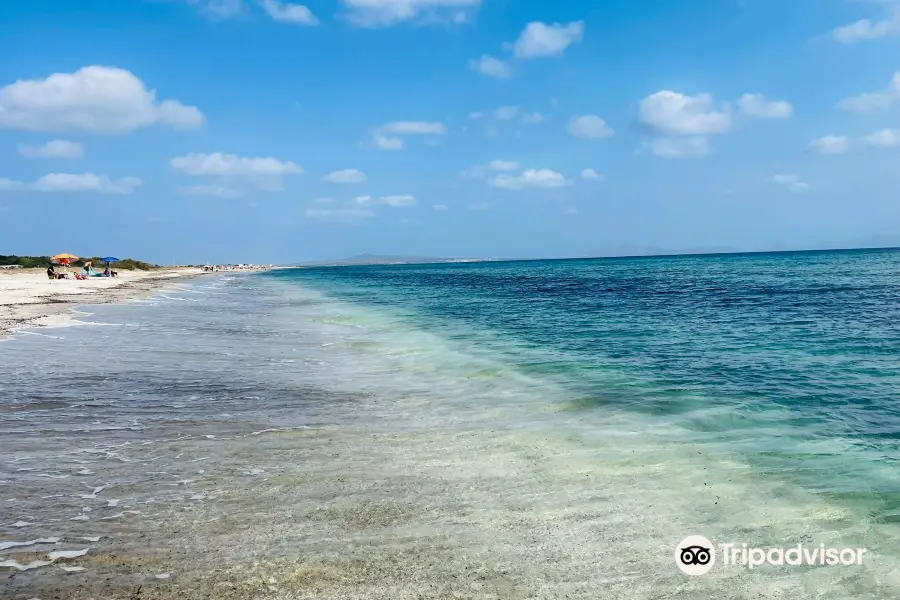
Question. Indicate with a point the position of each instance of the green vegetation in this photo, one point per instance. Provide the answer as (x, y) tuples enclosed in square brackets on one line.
[(29, 262)]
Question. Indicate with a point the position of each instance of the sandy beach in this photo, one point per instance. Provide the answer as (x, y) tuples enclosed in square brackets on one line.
[(29, 299)]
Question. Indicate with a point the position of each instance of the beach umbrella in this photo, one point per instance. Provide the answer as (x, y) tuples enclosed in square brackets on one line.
[(109, 259), (64, 259)]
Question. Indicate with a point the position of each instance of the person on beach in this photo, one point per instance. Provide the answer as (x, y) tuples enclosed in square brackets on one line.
[(51, 272)]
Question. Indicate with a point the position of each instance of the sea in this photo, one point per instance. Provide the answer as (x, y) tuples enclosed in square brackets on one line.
[(511, 430)]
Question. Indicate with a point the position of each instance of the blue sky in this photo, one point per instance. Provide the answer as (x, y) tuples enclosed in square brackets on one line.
[(266, 131)]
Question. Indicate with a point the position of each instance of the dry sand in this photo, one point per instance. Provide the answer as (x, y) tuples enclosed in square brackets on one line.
[(29, 299)]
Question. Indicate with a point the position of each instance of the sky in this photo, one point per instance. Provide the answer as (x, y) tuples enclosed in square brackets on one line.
[(186, 131)]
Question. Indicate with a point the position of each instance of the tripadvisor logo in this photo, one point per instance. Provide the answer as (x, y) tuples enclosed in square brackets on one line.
[(696, 555)]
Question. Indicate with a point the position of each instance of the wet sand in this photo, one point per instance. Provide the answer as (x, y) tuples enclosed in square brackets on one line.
[(29, 299)]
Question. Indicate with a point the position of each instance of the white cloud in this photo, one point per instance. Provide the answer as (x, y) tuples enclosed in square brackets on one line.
[(571, 211), (830, 144), (503, 165), (266, 173), (673, 113), (490, 66), (95, 99), (757, 105), (791, 182), (886, 138), (219, 9), (217, 163), (867, 29), (532, 178), (591, 175), (533, 118), (346, 176), (70, 182), (476, 115), (479, 206), (340, 215), (399, 200), (692, 147), (218, 191), (289, 13), (440, 207), (539, 39), (413, 128), (874, 101), (388, 143), (384, 13), (590, 127), (323, 200), (53, 149), (386, 136), (506, 113), (363, 200)]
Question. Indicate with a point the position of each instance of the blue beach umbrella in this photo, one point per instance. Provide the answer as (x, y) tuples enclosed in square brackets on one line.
[(109, 259)]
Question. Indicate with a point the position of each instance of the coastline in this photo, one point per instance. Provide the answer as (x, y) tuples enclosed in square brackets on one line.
[(29, 299)]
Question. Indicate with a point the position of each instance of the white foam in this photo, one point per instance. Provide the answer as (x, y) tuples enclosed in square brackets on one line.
[(72, 569), (162, 575), (23, 523), (66, 554), (85, 472), (80, 518), (49, 476), (112, 503), (20, 567), (49, 540)]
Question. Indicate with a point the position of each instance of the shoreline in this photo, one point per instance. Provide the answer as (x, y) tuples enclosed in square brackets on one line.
[(29, 299)]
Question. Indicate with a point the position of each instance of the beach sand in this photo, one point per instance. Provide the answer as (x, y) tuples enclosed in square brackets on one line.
[(29, 299)]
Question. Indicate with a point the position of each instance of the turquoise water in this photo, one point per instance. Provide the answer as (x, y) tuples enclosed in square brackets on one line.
[(540, 429), (791, 360)]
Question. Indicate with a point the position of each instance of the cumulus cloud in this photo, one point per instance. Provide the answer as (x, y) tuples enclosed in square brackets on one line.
[(216, 191), (886, 138), (503, 165), (398, 200), (95, 99), (363, 200), (70, 182), (590, 127), (219, 9), (540, 39), (532, 178), (791, 182), (830, 144), (340, 215), (413, 128), (868, 29), (346, 176), (874, 101), (383, 142), (384, 13), (591, 175), (387, 136), (673, 113), (757, 105), (289, 13), (490, 66), (691, 147), (53, 149), (265, 172)]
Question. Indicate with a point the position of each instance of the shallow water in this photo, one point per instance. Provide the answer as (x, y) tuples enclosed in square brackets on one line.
[(497, 430)]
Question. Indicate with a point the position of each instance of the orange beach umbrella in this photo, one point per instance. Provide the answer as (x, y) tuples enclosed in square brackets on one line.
[(63, 258)]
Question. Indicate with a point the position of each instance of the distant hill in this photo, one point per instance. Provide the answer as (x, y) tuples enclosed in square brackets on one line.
[(375, 259)]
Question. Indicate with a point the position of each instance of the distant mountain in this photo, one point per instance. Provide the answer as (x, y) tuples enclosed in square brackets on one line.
[(375, 259)]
